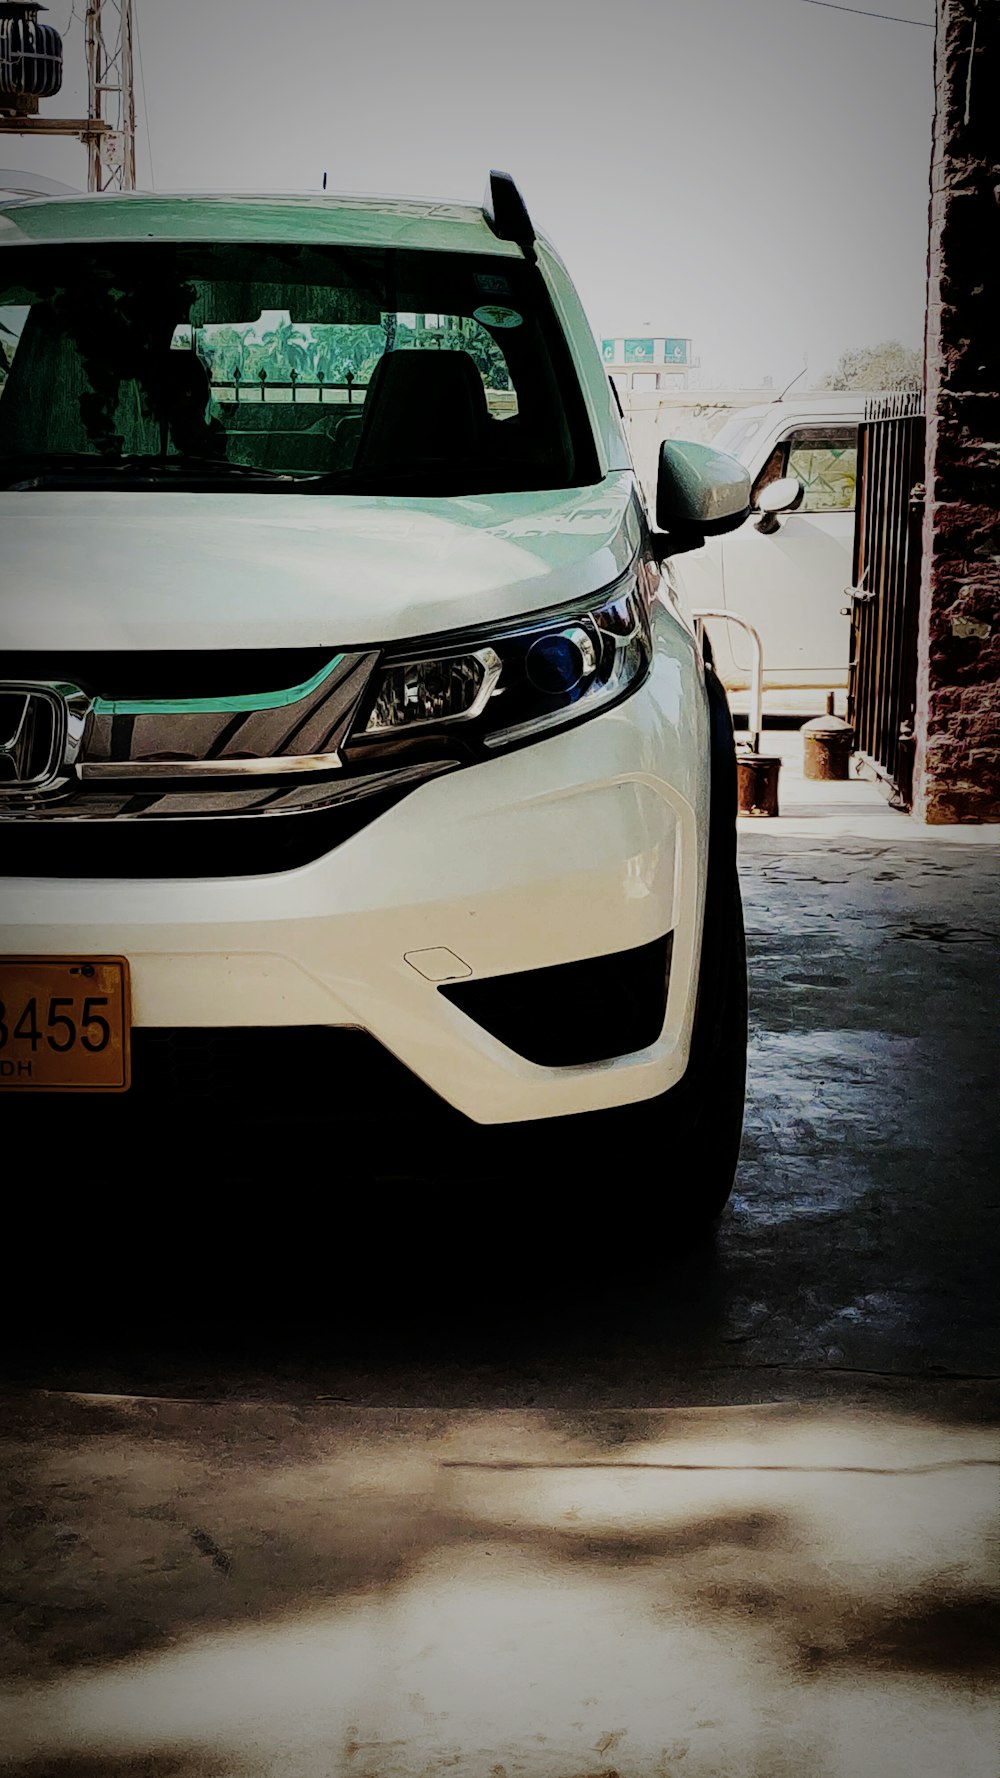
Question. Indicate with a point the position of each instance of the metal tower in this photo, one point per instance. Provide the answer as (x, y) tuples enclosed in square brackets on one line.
[(111, 96)]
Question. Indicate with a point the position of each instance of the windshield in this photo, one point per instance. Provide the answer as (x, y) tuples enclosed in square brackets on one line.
[(327, 369), (738, 435)]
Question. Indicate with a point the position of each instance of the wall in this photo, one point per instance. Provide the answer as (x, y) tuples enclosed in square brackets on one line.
[(957, 765)]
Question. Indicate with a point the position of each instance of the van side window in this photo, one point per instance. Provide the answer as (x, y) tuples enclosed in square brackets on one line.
[(826, 463), (824, 459)]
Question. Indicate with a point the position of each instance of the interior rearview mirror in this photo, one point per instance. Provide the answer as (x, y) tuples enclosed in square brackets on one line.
[(781, 496), (700, 492)]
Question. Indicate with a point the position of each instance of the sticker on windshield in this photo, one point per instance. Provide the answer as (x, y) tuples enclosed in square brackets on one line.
[(495, 315), (491, 284)]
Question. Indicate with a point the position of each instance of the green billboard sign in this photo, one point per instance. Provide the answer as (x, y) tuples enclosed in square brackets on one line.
[(653, 349)]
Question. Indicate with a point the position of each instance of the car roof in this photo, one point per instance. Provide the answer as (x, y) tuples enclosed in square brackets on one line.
[(295, 219), (822, 403)]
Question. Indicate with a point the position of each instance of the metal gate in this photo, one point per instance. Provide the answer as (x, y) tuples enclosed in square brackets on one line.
[(885, 596)]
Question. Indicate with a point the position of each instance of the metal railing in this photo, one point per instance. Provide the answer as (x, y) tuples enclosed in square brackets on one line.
[(755, 719), (885, 595)]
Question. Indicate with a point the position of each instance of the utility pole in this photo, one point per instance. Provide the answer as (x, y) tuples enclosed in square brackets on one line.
[(108, 130)]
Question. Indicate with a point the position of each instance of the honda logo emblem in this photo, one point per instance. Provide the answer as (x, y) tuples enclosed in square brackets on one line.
[(41, 728)]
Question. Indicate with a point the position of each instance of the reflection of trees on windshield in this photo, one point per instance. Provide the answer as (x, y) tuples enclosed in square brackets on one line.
[(291, 349), (286, 348)]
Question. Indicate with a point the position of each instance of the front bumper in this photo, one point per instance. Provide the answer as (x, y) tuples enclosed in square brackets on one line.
[(590, 843)]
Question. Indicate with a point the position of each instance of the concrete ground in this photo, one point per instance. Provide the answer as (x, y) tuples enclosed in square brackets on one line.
[(740, 1521)]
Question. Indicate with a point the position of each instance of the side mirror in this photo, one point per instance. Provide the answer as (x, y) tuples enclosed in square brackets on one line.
[(785, 495), (700, 493)]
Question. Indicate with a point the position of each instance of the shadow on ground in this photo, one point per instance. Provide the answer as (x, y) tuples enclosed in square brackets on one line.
[(240, 1579)]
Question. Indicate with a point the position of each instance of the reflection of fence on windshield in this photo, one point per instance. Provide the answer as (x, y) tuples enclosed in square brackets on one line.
[(293, 388), (238, 391)]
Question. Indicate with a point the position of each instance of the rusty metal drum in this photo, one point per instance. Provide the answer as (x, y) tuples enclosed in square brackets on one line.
[(757, 784), (827, 745)]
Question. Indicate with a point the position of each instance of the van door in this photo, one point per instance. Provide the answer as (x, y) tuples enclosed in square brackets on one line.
[(790, 583)]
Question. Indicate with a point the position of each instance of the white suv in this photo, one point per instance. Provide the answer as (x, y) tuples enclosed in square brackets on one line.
[(354, 750)]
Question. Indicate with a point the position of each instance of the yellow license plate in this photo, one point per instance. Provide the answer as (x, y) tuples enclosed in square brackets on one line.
[(64, 1024)]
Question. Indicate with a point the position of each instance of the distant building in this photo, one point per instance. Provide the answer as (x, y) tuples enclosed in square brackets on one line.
[(644, 364)]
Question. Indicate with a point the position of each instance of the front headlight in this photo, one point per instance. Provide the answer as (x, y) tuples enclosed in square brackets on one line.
[(494, 689)]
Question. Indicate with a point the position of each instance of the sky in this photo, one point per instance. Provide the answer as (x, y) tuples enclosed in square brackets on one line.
[(749, 174)]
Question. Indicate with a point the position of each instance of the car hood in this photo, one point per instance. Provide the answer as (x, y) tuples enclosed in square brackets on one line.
[(221, 570)]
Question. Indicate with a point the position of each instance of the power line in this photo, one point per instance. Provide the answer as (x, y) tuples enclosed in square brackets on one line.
[(142, 83), (891, 18)]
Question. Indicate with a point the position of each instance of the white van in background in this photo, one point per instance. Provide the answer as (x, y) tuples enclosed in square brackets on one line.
[(786, 571)]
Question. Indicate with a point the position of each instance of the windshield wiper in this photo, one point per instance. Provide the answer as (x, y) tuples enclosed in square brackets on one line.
[(440, 478), (67, 468), (207, 466), (433, 479), (13, 470)]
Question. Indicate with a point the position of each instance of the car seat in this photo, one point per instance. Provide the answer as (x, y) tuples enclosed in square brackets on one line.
[(422, 406)]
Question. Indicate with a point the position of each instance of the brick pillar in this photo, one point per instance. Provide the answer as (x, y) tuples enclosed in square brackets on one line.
[(957, 765)]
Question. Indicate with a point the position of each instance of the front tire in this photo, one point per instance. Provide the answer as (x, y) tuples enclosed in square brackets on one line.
[(698, 1125), (674, 1156), (658, 1167)]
